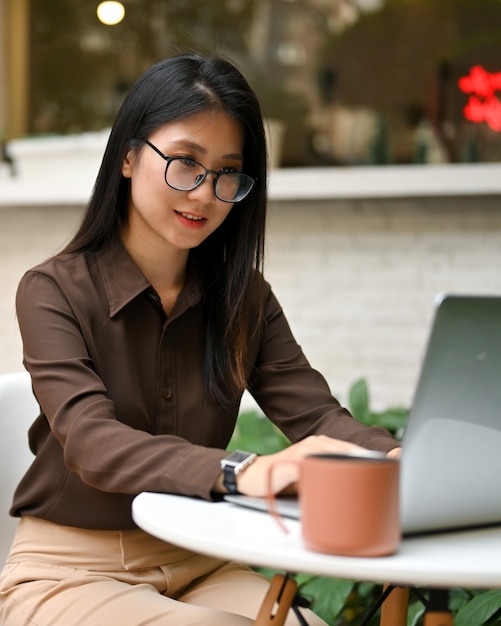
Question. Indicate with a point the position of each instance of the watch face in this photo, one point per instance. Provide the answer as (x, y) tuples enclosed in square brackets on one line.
[(238, 456)]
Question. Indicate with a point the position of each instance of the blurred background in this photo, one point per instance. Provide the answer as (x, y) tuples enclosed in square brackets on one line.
[(354, 81), (385, 133)]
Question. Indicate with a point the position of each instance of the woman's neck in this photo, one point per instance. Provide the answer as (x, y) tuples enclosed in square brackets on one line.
[(163, 266)]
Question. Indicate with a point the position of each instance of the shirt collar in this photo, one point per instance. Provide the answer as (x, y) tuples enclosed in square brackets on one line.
[(123, 280)]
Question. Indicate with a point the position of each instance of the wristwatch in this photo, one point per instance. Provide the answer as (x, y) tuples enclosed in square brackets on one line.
[(233, 465)]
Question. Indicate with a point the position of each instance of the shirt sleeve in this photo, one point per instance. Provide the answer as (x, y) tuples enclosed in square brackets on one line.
[(295, 396), (78, 429)]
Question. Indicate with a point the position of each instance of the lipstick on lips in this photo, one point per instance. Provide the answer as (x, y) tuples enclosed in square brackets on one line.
[(191, 219)]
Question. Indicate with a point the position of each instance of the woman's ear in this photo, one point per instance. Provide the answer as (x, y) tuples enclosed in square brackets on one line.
[(128, 164)]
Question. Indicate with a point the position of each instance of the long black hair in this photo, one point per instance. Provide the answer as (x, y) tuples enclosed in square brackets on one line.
[(230, 258)]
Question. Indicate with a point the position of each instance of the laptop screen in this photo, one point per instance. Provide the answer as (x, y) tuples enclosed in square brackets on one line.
[(451, 465)]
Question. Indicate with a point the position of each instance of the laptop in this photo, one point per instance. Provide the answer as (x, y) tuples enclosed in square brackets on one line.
[(450, 474)]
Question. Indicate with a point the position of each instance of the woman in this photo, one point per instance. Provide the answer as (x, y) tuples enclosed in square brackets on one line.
[(140, 338)]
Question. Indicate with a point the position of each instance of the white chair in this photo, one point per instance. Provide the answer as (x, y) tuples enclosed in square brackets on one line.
[(18, 410)]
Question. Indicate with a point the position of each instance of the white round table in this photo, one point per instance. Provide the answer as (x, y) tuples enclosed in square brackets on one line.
[(459, 559)]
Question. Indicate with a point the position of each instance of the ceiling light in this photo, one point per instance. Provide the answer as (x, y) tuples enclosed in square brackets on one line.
[(110, 13)]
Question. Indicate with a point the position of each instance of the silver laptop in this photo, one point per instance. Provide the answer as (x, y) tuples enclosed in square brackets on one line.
[(451, 459), (451, 456)]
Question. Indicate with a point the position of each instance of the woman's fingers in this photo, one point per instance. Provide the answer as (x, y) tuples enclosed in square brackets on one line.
[(281, 470)]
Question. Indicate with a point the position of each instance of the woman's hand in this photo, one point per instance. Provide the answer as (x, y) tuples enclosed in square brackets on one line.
[(253, 480)]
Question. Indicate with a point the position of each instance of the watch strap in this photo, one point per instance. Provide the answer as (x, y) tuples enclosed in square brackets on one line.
[(230, 479)]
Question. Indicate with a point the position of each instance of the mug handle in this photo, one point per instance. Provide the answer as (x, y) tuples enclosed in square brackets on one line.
[(271, 496)]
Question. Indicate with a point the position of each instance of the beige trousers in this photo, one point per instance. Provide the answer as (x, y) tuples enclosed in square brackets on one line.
[(61, 576)]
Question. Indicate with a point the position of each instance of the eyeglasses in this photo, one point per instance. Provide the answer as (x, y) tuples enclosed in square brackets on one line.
[(185, 174)]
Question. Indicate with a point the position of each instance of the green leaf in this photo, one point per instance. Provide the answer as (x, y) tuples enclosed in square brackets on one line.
[(358, 398), (479, 609), (328, 595), (368, 591), (393, 419), (256, 432), (414, 613), (458, 597), (304, 579)]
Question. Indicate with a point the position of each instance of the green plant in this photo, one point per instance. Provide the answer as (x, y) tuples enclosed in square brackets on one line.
[(482, 608), (255, 432), (392, 419)]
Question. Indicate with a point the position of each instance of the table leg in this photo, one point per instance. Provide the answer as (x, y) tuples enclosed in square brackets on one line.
[(437, 610), (277, 601), (394, 608)]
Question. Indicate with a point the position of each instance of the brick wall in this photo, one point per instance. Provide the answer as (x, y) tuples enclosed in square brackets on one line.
[(356, 278)]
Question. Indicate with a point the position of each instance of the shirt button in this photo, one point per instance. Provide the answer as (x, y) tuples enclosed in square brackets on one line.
[(167, 393)]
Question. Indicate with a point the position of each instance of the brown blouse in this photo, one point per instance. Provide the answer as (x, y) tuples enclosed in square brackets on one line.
[(123, 408)]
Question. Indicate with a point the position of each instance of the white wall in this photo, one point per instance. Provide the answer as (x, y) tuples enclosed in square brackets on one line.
[(27, 236), (356, 278)]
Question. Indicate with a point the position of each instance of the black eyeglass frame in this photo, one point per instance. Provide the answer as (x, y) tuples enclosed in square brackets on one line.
[(201, 179)]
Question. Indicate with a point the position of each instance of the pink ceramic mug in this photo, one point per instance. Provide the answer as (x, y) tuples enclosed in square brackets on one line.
[(349, 504)]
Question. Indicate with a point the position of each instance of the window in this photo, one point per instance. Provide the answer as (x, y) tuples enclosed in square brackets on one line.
[(355, 81)]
